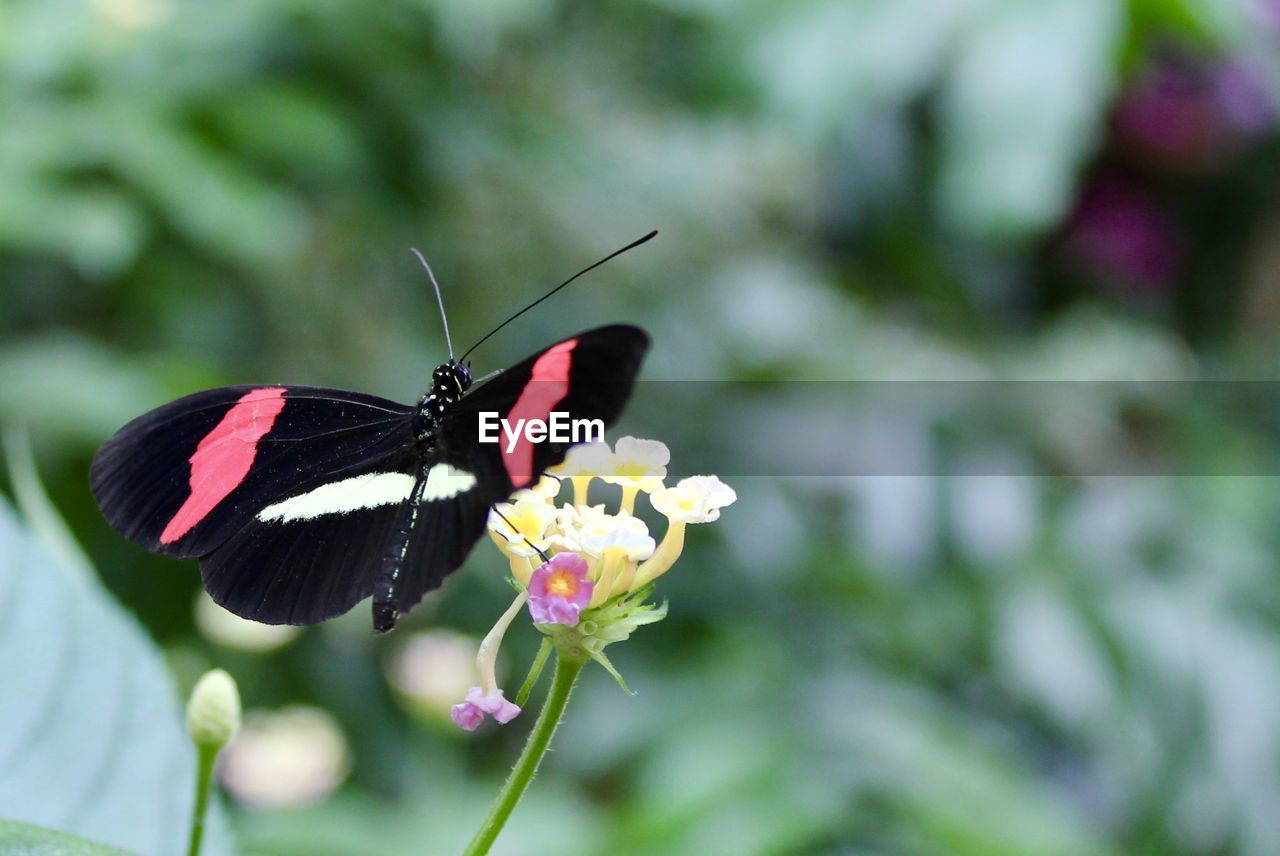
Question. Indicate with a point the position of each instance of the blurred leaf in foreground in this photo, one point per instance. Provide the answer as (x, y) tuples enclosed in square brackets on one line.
[(19, 839), (91, 735)]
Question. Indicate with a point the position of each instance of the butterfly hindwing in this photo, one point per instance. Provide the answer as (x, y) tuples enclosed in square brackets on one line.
[(446, 530), (301, 570)]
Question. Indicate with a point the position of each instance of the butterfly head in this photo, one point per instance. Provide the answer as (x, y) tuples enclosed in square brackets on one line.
[(450, 380)]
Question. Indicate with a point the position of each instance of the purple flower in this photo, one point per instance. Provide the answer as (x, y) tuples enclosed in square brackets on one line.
[(1267, 11), (1244, 98), (1120, 233), (467, 716), (1192, 113), (559, 590), (471, 712)]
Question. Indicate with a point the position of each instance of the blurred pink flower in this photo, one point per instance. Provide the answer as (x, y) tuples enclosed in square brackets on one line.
[(1192, 112), (1119, 233), (1267, 11), (1244, 99)]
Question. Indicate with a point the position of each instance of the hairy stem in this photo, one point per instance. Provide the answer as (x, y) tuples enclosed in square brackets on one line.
[(526, 765)]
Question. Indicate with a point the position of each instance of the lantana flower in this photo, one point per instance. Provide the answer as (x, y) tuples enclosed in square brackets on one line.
[(586, 571), (487, 698), (519, 527), (559, 590)]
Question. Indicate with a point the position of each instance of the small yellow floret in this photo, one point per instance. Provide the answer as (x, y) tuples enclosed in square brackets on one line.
[(562, 584)]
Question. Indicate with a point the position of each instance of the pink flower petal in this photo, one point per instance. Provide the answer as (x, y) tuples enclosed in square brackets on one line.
[(471, 712), (506, 712), (546, 607), (467, 716)]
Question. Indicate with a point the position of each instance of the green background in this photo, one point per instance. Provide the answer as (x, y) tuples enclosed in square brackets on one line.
[(1079, 661)]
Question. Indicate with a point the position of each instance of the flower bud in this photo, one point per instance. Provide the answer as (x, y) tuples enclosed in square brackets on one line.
[(213, 711)]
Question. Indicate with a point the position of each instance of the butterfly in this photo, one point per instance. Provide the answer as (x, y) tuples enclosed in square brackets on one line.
[(299, 501)]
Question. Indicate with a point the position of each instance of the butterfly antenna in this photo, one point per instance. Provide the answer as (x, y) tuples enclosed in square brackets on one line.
[(491, 374), (545, 557), (439, 300), (614, 254)]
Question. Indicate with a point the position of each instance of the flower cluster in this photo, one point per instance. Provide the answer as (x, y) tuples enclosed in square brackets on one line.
[(583, 571)]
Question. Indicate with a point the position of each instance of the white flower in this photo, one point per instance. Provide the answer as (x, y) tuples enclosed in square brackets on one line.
[(548, 487), (226, 628), (291, 757), (697, 499), (433, 669), (570, 521), (622, 532), (612, 559), (588, 459), (638, 464)]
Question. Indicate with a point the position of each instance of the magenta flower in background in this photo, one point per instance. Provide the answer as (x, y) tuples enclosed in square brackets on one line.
[(559, 590), (1167, 111), (1120, 233), (1266, 11), (1244, 99), (1193, 112)]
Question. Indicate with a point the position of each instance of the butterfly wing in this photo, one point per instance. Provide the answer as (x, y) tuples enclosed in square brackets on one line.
[(291, 565), (588, 376), (283, 491)]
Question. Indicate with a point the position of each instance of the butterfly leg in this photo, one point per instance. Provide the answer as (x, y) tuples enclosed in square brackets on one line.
[(387, 586)]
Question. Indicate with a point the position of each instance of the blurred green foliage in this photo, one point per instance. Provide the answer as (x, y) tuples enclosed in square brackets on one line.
[(1073, 663)]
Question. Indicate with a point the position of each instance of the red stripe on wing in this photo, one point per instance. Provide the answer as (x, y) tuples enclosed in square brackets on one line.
[(547, 387), (225, 456)]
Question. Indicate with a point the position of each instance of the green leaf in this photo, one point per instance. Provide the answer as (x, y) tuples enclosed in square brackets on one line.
[(19, 839), (92, 740), (42, 518), (1023, 109), (40, 375)]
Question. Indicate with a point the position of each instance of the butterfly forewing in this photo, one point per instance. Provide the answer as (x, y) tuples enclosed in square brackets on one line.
[(186, 477), (588, 376)]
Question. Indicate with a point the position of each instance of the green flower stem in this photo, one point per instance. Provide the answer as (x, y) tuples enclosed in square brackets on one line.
[(567, 669), (206, 754), (535, 671)]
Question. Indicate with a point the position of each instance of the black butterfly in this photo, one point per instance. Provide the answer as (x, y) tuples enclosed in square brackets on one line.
[(302, 501)]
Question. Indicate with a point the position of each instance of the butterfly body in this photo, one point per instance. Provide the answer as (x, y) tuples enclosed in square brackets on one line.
[(301, 501)]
